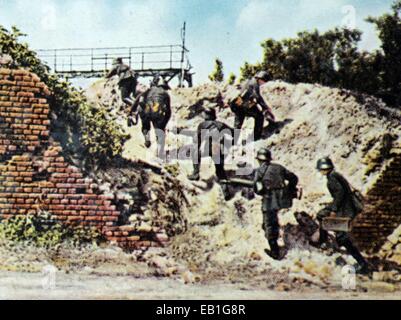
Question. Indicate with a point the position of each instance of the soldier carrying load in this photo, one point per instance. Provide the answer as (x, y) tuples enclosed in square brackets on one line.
[(345, 205), (250, 103)]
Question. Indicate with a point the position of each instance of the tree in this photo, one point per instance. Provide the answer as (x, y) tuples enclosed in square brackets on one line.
[(231, 78), (218, 74), (333, 58), (389, 27)]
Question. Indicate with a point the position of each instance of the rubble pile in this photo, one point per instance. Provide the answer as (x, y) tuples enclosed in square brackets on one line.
[(391, 250), (356, 131)]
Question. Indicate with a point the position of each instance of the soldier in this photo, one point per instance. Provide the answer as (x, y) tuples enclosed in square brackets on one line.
[(247, 104), (154, 106), (343, 205), (127, 80), (278, 186), (214, 133)]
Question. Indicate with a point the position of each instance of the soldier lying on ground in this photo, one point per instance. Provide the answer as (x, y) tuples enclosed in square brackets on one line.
[(127, 81), (343, 205), (248, 102), (154, 107)]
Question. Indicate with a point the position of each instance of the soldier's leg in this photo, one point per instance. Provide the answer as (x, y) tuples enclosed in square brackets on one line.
[(259, 121), (324, 235), (196, 160), (146, 129), (343, 239), (125, 89), (238, 123), (220, 172), (271, 227), (160, 127)]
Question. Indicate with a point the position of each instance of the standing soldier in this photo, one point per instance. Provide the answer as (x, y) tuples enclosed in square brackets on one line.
[(213, 133), (127, 80), (154, 107), (343, 205), (249, 102), (278, 186)]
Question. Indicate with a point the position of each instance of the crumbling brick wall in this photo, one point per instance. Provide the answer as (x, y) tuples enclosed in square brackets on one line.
[(34, 176), (382, 214)]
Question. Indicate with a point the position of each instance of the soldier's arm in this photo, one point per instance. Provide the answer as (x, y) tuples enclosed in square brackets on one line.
[(338, 193), (112, 73), (292, 180), (168, 107), (140, 97)]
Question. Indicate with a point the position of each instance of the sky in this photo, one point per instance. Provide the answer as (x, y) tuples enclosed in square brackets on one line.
[(231, 30)]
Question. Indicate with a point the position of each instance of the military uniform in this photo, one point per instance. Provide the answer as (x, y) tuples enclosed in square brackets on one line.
[(343, 205), (154, 108), (214, 144), (277, 195), (127, 81), (246, 105)]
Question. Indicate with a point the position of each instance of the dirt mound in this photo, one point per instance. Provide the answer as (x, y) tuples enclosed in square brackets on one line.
[(314, 121)]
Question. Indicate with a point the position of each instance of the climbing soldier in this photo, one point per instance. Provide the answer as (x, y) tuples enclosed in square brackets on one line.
[(154, 107), (278, 186), (214, 134), (127, 80), (250, 103), (344, 205)]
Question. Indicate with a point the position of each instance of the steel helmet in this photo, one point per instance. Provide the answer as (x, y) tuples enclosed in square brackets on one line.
[(262, 75), (264, 155), (117, 61), (325, 164)]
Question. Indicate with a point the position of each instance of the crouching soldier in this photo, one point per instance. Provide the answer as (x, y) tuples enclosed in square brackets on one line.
[(278, 186), (213, 133), (154, 107), (250, 103), (344, 205), (127, 81)]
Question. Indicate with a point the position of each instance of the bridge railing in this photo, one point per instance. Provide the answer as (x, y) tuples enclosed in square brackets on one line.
[(96, 60)]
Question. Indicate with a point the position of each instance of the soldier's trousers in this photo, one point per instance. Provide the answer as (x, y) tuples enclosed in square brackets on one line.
[(270, 224), (240, 116), (159, 122), (219, 165), (342, 238), (128, 87)]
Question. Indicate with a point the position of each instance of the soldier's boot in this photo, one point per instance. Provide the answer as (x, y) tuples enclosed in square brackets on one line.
[(324, 237), (147, 138), (362, 266), (195, 176), (274, 250)]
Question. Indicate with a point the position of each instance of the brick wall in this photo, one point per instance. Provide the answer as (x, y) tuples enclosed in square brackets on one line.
[(383, 211), (24, 114), (35, 176)]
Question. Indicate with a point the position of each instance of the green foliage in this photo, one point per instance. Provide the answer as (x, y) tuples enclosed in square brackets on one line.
[(389, 28), (248, 70), (333, 59), (231, 79), (218, 73), (100, 136), (40, 230)]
